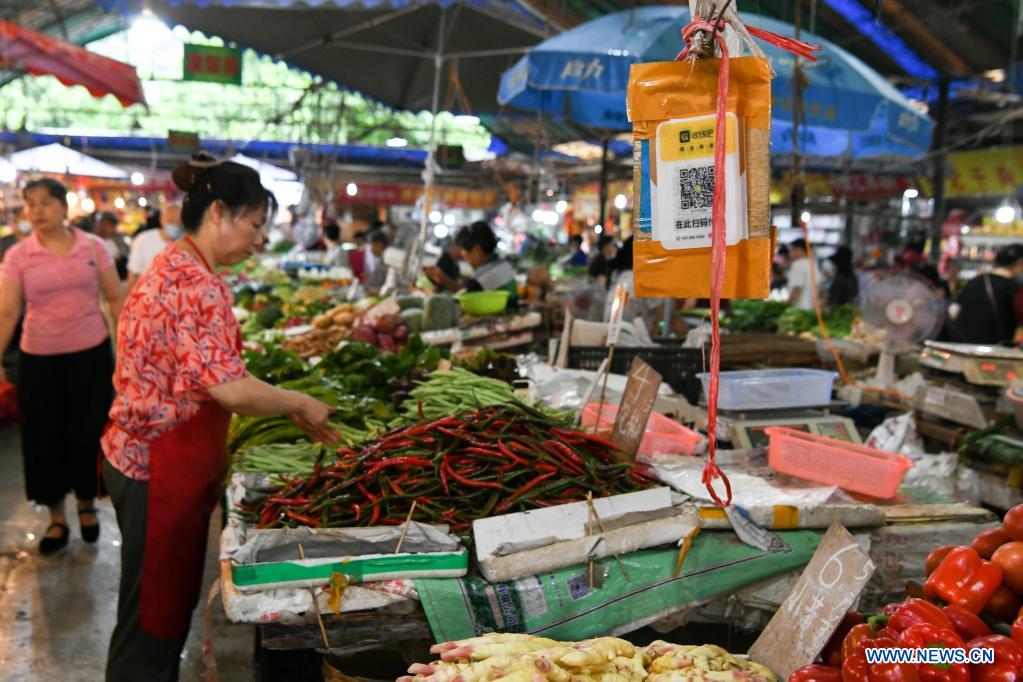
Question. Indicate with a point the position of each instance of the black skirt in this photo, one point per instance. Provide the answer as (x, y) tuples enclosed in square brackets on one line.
[(64, 401)]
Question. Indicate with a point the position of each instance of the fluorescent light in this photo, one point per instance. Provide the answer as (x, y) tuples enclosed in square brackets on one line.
[(621, 201), (537, 216), (138, 179), (143, 202), (397, 142), (561, 206), (449, 219), (352, 189), (1005, 214), (72, 199), (119, 203), (440, 231), (88, 205), (911, 193), (805, 217), (436, 217), (599, 229)]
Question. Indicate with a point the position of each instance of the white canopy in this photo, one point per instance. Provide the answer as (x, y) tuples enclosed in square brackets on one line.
[(7, 171), (56, 158), (282, 182)]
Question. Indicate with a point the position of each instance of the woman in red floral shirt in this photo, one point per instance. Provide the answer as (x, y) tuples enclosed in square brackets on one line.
[(179, 376)]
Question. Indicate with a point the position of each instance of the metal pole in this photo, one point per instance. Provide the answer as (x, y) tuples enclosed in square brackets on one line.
[(415, 256), (940, 130), (603, 183), (798, 195)]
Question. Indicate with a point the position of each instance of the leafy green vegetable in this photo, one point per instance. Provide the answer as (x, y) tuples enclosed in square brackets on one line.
[(273, 364)]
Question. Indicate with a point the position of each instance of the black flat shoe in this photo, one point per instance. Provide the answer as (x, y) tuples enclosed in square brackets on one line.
[(90, 533), (50, 545)]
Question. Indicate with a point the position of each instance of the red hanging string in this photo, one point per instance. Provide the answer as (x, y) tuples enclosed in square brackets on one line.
[(711, 471)]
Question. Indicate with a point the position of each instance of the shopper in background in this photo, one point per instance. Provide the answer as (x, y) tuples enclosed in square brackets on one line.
[(58, 274), (357, 257), (801, 284), (986, 311), (147, 245), (491, 272), (577, 257), (336, 254), (116, 243), (600, 265), (22, 230), (445, 273), (180, 375), (377, 276), (845, 285)]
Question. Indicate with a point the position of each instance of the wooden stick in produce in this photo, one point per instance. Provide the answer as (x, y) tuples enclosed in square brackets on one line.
[(683, 550), (589, 532), (600, 524), (316, 604), (404, 529)]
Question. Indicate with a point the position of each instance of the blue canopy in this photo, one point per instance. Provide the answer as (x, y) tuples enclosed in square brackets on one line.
[(583, 73)]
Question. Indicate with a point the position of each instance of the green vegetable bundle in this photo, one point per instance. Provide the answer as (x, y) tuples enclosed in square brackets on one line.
[(294, 459), (452, 392)]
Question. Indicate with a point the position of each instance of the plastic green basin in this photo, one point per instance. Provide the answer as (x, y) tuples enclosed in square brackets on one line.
[(483, 302)]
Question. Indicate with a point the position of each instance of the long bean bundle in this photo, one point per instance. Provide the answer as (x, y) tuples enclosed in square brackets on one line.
[(453, 391), (459, 468)]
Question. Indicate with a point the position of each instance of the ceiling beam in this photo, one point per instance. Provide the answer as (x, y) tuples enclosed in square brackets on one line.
[(952, 62)]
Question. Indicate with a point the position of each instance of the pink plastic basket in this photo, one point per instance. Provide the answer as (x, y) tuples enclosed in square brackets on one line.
[(834, 462), (663, 436)]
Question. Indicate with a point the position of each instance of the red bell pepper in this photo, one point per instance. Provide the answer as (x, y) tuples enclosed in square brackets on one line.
[(926, 635), (1008, 659), (856, 669), (1017, 631), (965, 579), (914, 611), (832, 652), (816, 673), (967, 625), (869, 635)]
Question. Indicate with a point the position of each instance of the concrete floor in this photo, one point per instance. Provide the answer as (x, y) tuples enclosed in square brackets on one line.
[(57, 613)]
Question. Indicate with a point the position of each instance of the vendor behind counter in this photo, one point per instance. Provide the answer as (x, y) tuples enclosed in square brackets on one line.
[(491, 272)]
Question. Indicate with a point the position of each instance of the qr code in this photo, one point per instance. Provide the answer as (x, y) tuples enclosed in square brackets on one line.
[(696, 187)]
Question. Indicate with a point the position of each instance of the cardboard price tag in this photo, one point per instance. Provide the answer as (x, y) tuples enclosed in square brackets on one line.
[(614, 325), (634, 411), (828, 587)]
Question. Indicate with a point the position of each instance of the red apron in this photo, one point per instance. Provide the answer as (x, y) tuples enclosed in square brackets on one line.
[(186, 472)]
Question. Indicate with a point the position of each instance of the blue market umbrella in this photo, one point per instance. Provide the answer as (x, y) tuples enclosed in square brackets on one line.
[(583, 74)]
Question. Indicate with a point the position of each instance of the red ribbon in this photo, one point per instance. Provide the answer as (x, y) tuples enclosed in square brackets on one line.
[(712, 472)]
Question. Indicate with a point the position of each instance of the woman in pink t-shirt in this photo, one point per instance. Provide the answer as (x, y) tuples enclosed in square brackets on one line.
[(66, 363)]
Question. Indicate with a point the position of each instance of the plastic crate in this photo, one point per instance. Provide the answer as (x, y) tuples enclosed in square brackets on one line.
[(768, 389), (856, 468), (663, 436), (678, 366)]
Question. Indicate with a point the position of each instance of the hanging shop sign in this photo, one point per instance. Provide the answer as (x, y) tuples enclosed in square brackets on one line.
[(180, 141), (407, 195), (985, 172), (213, 64)]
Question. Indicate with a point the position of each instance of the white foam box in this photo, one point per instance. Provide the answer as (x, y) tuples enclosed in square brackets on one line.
[(513, 546)]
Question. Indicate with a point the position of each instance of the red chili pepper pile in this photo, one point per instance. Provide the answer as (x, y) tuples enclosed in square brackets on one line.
[(493, 460)]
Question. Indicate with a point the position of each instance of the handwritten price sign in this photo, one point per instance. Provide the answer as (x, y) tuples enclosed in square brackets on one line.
[(634, 412), (828, 587)]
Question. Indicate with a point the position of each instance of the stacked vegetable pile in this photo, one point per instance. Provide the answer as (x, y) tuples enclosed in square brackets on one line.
[(454, 391), (978, 596), (520, 657), (329, 329), (780, 317), (457, 469)]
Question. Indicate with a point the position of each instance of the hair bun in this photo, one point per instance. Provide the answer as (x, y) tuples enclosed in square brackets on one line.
[(186, 176)]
